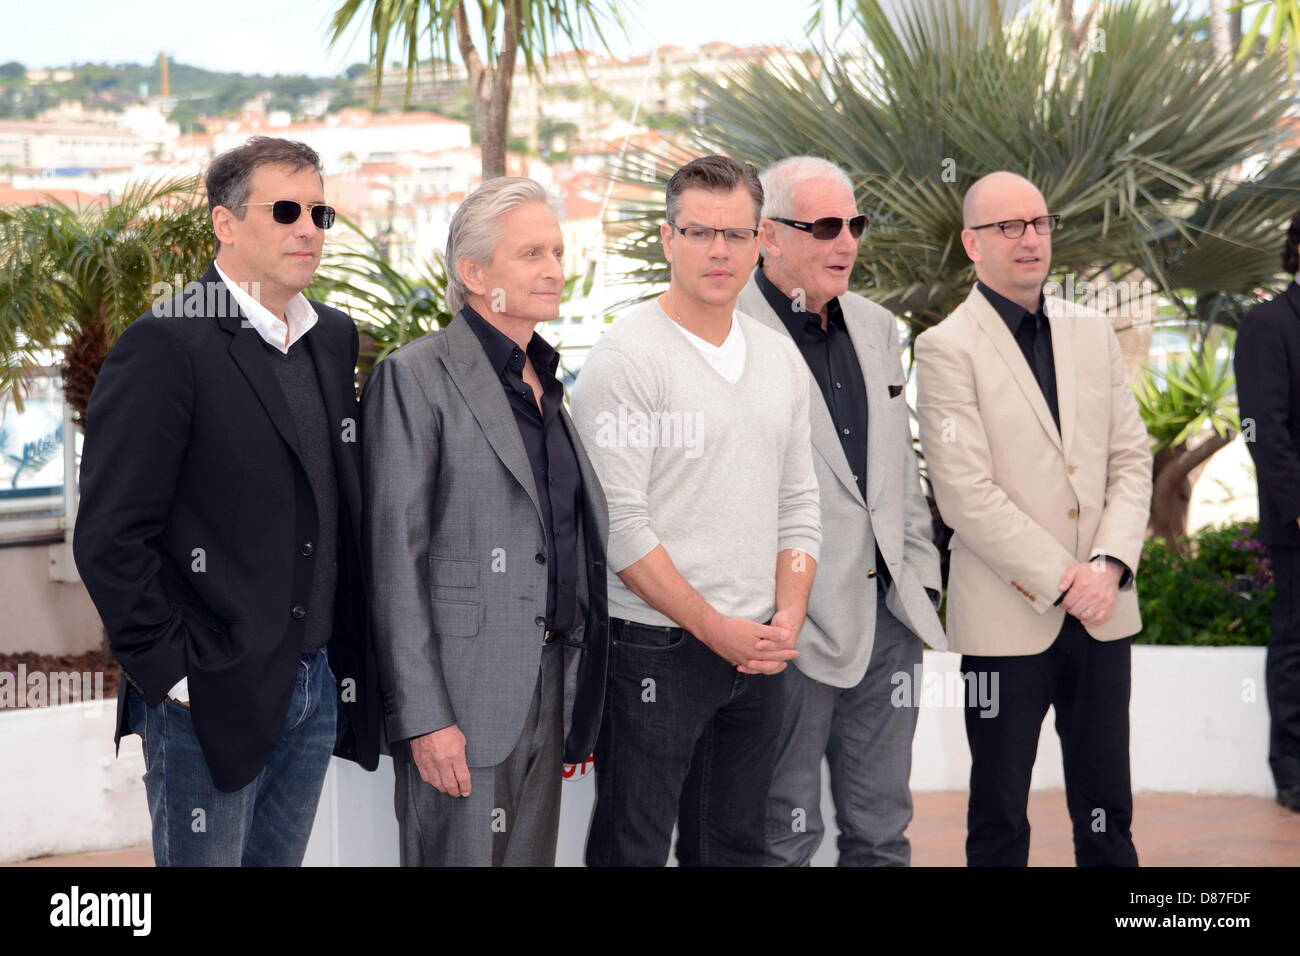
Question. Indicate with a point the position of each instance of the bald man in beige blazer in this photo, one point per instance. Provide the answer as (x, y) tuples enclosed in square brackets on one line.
[(1040, 464)]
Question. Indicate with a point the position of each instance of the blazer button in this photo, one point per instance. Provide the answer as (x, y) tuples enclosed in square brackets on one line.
[(1072, 469), (1072, 513), (299, 612), (539, 621), (540, 558), (307, 549), (871, 573)]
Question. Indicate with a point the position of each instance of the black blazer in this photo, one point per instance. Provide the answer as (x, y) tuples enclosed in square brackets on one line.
[(1267, 363), (194, 518)]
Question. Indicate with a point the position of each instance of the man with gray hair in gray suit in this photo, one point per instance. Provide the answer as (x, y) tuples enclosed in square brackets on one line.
[(485, 526), (851, 695)]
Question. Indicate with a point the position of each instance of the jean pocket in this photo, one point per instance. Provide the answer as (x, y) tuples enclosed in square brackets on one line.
[(176, 705), (648, 637)]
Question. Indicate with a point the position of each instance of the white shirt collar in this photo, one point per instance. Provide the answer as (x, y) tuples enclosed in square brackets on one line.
[(299, 312)]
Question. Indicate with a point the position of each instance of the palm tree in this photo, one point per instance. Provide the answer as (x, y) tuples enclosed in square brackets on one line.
[(71, 280), (509, 28), (391, 307), (1141, 155), (1168, 168), (1190, 414), (1281, 17)]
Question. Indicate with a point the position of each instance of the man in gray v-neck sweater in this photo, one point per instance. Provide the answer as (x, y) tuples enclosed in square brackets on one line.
[(714, 529)]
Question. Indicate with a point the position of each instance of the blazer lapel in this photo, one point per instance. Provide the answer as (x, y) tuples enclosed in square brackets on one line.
[(246, 349), (877, 388), (585, 470), (824, 440), (1005, 344), (329, 361), (1292, 294), (1063, 354), (481, 388)]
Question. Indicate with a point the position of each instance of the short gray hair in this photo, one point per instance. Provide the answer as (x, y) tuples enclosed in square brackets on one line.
[(475, 228), (781, 178)]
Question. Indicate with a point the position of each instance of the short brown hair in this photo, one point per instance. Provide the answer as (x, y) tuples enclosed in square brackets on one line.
[(230, 176), (716, 174)]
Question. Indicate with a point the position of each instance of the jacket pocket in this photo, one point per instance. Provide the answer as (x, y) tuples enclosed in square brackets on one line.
[(455, 618), (191, 613), (452, 572)]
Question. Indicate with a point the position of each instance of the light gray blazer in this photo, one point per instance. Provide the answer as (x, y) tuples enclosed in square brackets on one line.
[(452, 531), (835, 645)]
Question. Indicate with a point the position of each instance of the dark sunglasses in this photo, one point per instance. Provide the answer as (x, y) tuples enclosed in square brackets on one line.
[(287, 211), (828, 227)]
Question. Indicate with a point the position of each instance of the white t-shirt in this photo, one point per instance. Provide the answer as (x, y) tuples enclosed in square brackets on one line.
[(727, 359)]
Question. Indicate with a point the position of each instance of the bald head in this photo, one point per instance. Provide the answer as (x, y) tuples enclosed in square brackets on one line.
[(1014, 268), (990, 196)]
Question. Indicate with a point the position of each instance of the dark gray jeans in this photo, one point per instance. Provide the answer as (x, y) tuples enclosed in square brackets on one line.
[(686, 738)]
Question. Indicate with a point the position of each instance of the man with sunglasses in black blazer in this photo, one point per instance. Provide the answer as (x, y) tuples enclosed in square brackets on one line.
[(219, 527)]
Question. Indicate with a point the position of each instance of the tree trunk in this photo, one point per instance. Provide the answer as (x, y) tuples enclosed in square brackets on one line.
[(1171, 495), (1065, 17), (82, 359), (1219, 30), (491, 87)]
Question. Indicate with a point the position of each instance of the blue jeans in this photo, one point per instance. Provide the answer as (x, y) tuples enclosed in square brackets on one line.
[(266, 823), (686, 739)]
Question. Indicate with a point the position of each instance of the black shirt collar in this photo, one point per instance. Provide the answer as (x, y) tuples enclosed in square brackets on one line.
[(1012, 313), (794, 320), (502, 352)]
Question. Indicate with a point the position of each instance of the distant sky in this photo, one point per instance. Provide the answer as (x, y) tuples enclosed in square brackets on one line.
[(288, 36)]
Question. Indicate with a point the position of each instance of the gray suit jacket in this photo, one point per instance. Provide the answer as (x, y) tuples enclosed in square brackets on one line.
[(452, 530), (835, 645)]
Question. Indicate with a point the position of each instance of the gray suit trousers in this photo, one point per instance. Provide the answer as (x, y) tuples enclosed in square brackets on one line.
[(868, 744), (512, 814)]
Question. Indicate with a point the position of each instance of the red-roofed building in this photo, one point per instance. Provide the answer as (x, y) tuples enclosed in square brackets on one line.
[(352, 137), (75, 198)]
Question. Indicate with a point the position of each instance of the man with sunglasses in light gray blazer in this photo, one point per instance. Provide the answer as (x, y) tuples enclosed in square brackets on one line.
[(878, 580)]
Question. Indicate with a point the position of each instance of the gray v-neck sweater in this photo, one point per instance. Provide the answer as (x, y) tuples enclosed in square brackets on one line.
[(719, 474)]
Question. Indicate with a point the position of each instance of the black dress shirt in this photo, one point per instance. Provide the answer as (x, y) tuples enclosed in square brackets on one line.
[(551, 455), (835, 367), (1028, 328)]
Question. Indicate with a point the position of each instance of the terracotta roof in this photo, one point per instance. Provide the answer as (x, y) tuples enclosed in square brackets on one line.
[(455, 196), (384, 169), (37, 197)]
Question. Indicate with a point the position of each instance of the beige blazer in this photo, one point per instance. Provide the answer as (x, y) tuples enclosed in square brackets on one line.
[(1024, 501)]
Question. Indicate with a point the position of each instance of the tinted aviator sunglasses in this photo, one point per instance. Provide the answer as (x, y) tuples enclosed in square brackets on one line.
[(287, 211), (828, 227)]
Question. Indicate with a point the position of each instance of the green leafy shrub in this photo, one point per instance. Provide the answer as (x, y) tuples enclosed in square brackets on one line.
[(1219, 591)]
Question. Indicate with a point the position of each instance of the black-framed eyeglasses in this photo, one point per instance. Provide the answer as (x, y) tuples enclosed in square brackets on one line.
[(1015, 228), (704, 235), (828, 227), (287, 211)]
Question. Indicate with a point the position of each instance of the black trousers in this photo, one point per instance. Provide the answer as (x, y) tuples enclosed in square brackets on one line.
[(1087, 681), (686, 739), (1282, 671)]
